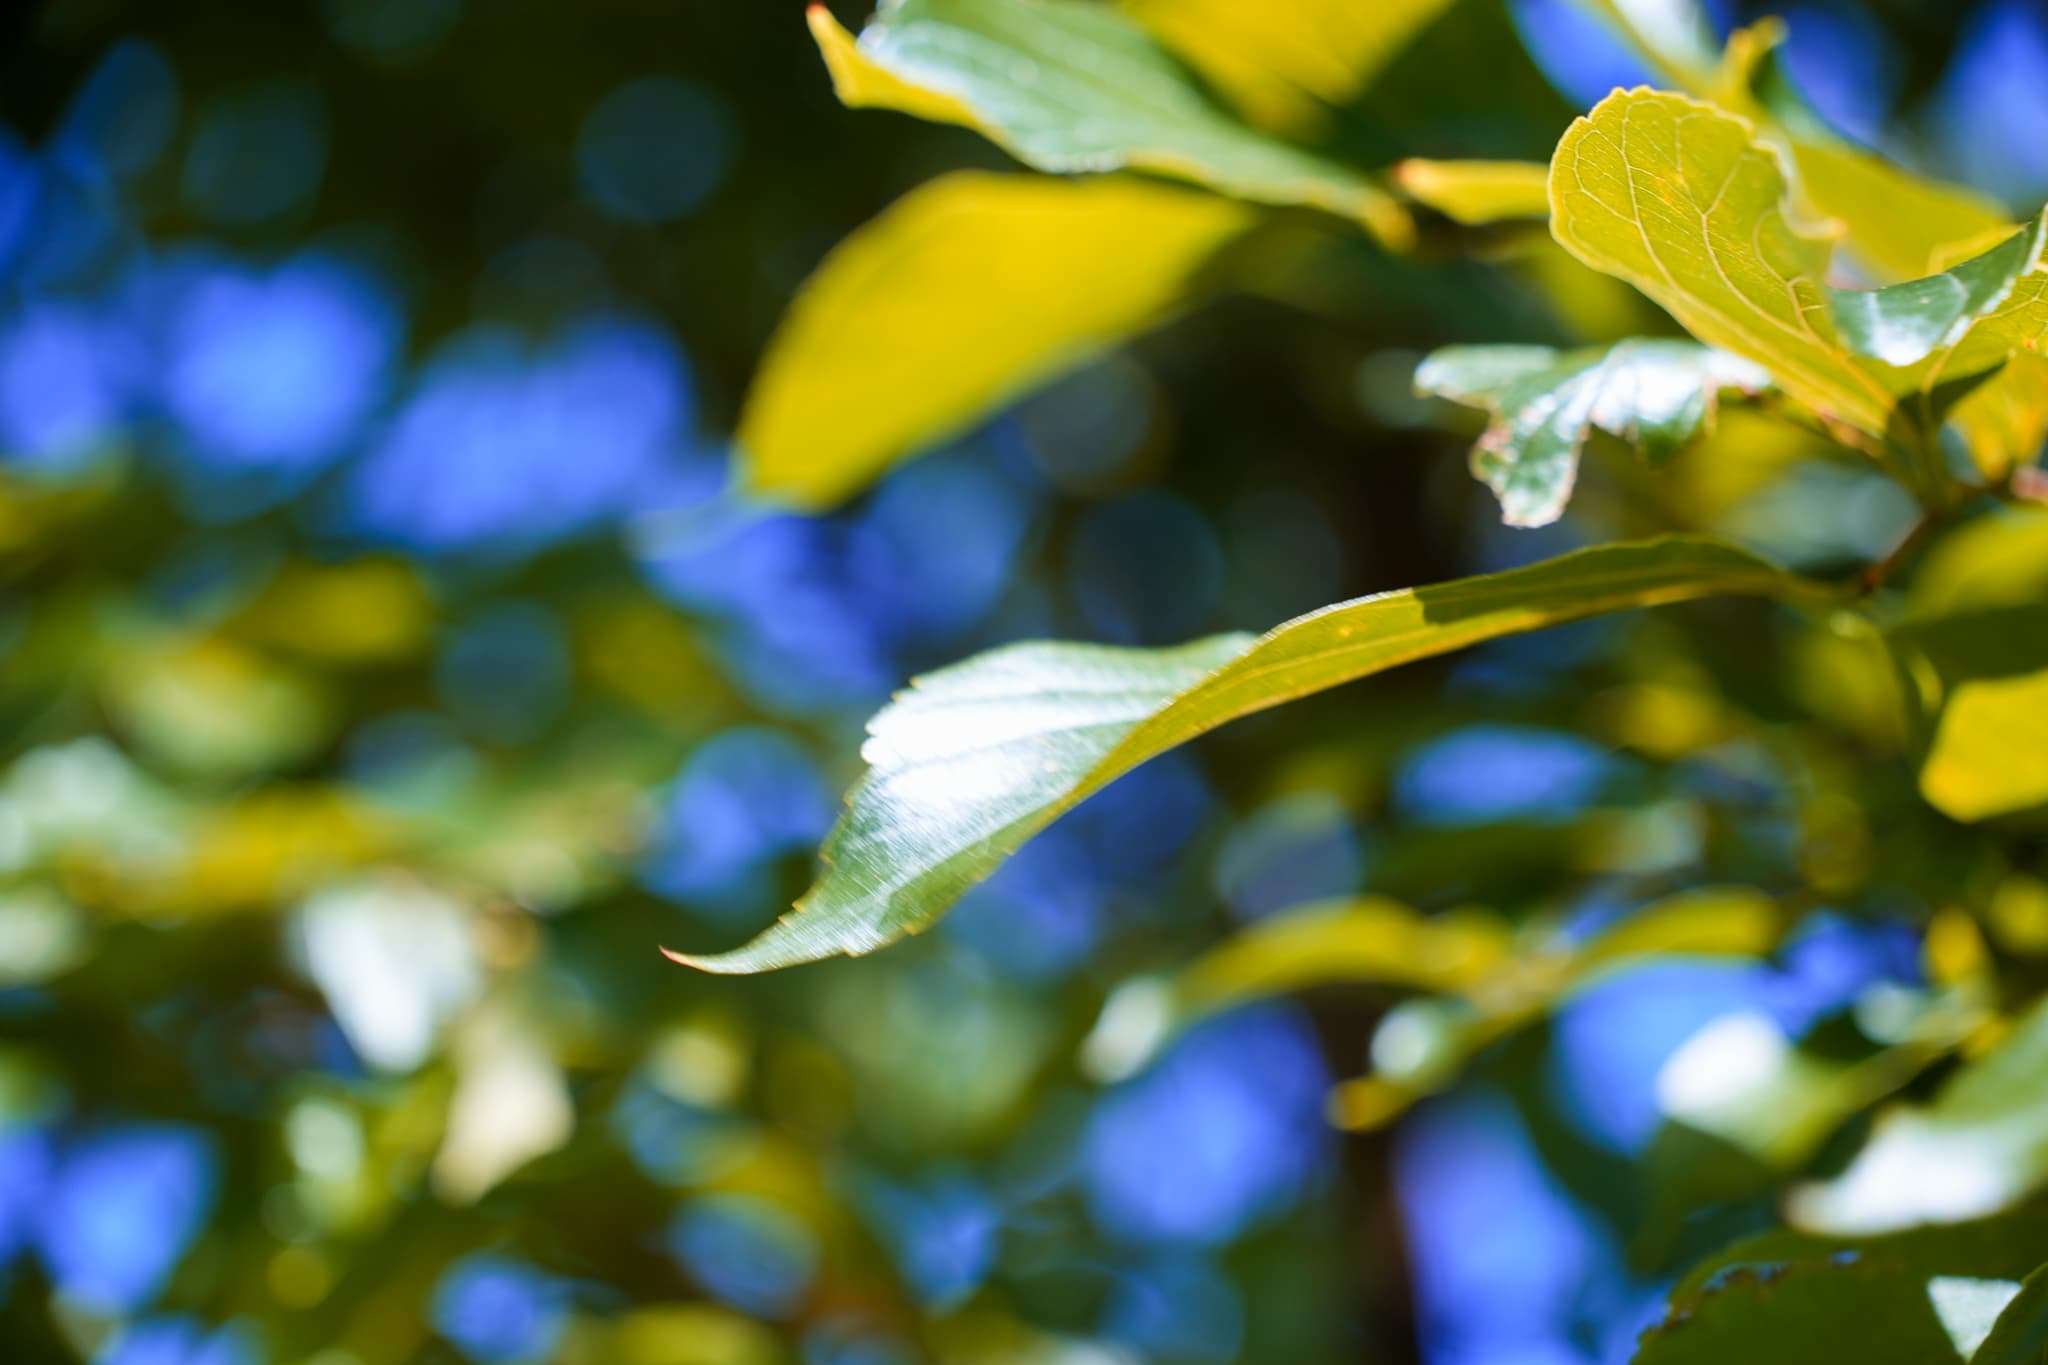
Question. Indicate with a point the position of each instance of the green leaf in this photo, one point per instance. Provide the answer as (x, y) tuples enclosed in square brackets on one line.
[(963, 295), (1476, 193), (975, 759), (1469, 953), (1899, 1300), (1656, 394), (1285, 62), (1980, 1147), (1681, 200), (2020, 1334), (1981, 679), (1073, 86)]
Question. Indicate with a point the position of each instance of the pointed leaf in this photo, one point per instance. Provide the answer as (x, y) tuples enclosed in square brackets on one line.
[(975, 759), (1074, 86), (964, 294), (1656, 394)]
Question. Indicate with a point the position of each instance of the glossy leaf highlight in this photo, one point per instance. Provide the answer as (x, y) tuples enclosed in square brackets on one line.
[(975, 759)]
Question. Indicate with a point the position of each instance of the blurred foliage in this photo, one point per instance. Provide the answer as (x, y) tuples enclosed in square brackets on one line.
[(397, 653)]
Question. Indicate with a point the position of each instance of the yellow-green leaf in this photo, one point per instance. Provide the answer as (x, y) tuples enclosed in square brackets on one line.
[(1285, 61), (1979, 1147), (975, 759), (1896, 224), (964, 294), (1982, 682), (1681, 200), (1074, 86), (1477, 192)]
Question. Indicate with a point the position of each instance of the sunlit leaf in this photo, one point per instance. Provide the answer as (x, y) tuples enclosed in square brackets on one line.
[(1683, 202), (976, 758), (1072, 86), (1881, 1301), (964, 294), (1981, 1146), (1656, 394), (1982, 683), (1285, 61), (1477, 192)]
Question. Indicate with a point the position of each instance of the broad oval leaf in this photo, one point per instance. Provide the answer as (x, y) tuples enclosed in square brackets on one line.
[(964, 294), (1075, 86), (1286, 61), (1900, 1300), (1658, 395), (975, 759)]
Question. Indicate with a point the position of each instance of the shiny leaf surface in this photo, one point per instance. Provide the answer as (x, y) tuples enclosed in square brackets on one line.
[(975, 759), (1656, 394)]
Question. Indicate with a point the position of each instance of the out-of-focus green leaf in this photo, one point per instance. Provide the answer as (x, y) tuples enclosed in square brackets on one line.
[(1285, 61), (1999, 560), (1657, 394), (1072, 86), (1881, 1301), (1368, 941), (964, 294), (1980, 1147), (1982, 682), (1504, 979), (977, 758), (1477, 192), (2020, 1334)]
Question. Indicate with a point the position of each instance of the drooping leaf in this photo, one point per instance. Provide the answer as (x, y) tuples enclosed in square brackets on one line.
[(2019, 1336), (965, 293), (975, 759), (1898, 1300), (1980, 1147), (1074, 86), (1657, 394), (1981, 679), (1476, 193), (1286, 61)]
